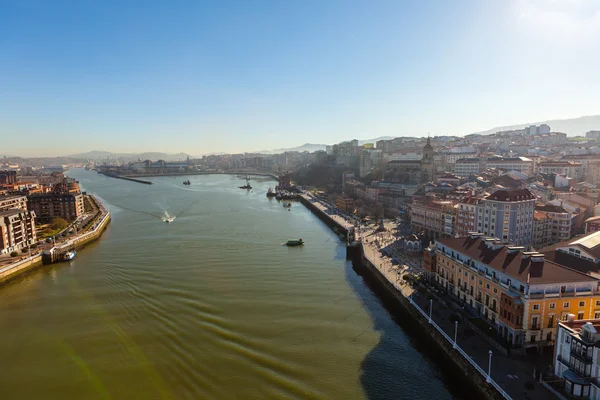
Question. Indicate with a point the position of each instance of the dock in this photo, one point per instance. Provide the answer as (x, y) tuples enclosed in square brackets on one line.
[(34, 261)]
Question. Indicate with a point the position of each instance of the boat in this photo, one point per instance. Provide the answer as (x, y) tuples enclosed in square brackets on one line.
[(294, 242), (69, 255), (168, 220), (287, 204), (187, 182), (271, 193), (247, 185)]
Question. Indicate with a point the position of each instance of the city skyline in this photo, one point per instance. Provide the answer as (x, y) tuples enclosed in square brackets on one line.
[(247, 77)]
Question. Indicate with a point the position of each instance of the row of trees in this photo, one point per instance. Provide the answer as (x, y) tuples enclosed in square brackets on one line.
[(370, 208)]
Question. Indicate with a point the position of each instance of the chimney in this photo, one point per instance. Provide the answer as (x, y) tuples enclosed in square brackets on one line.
[(537, 257), (515, 249), (475, 235)]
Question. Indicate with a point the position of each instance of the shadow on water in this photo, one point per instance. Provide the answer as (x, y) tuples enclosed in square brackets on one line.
[(404, 364)]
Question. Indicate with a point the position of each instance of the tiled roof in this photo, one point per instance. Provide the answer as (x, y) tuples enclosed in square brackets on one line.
[(511, 195), (515, 264)]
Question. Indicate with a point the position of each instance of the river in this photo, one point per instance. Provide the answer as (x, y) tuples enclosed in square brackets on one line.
[(211, 306)]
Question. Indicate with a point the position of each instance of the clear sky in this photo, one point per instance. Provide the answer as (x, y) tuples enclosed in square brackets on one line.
[(210, 76)]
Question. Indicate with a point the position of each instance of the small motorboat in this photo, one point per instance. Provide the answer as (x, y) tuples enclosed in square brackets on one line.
[(187, 182), (287, 204), (294, 242), (168, 220), (69, 255), (271, 193)]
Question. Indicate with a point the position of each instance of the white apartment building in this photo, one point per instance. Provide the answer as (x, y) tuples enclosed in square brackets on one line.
[(521, 164), (467, 166), (570, 169), (576, 356)]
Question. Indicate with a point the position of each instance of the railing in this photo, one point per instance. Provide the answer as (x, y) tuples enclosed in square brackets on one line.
[(462, 352)]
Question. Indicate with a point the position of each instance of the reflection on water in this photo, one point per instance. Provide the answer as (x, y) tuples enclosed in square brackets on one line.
[(209, 306)]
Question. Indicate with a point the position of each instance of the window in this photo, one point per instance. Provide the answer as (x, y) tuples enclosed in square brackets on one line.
[(487, 285), (598, 303), (580, 315), (597, 315), (582, 304), (552, 305), (495, 290), (566, 304), (536, 306)]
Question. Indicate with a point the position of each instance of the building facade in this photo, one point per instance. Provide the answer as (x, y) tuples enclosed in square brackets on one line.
[(521, 164), (507, 214), (17, 230), (56, 205), (434, 218), (13, 202), (577, 357), (570, 169), (467, 166), (520, 294)]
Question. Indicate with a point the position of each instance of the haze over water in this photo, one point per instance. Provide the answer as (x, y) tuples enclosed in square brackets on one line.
[(211, 306)]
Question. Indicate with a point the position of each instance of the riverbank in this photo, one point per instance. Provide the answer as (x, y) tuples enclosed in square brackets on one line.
[(28, 264), (387, 279), (265, 174)]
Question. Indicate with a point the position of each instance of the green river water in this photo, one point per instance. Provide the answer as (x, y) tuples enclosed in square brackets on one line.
[(211, 306)]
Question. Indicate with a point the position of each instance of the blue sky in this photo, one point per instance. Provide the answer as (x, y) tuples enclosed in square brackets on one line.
[(199, 76)]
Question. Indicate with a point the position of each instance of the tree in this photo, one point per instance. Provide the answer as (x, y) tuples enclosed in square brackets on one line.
[(359, 203), (393, 212), (378, 211), (59, 223)]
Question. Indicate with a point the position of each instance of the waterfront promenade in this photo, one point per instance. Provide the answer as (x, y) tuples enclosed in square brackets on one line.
[(513, 375), (92, 224)]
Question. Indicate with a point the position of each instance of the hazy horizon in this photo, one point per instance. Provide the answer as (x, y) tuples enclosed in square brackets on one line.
[(243, 76)]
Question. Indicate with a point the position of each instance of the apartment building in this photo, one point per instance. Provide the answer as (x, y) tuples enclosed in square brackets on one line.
[(570, 169), (561, 222), (434, 218), (521, 164), (467, 166), (520, 294), (542, 229), (17, 230), (465, 216), (13, 203), (52, 205), (577, 357), (507, 214)]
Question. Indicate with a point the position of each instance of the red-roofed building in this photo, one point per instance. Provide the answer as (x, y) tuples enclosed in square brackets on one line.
[(520, 294)]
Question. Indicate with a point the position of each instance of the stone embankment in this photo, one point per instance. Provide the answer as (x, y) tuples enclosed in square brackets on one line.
[(26, 265)]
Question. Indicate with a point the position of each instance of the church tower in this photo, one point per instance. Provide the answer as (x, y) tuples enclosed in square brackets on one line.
[(427, 166)]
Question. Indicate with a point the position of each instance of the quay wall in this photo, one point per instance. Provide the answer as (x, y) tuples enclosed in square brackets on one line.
[(450, 355), (383, 286), (322, 215), (30, 264)]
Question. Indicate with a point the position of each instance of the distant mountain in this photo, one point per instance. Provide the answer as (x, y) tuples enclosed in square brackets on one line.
[(572, 127), (361, 142), (310, 147), (103, 155)]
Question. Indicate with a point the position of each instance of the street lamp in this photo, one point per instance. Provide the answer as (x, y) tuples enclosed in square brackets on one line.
[(455, 331), (430, 308), (489, 378)]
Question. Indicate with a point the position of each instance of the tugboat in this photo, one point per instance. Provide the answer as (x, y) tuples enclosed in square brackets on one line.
[(187, 182), (271, 193), (294, 242), (247, 185), (69, 255)]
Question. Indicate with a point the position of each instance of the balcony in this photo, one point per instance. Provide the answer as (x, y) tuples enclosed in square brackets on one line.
[(587, 358)]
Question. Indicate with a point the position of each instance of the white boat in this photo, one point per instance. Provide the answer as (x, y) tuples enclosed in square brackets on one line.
[(168, 220), (69, 255)]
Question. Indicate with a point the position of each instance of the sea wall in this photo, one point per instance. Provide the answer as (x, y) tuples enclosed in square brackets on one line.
[(330, 222), (448, 353), (29, 264)]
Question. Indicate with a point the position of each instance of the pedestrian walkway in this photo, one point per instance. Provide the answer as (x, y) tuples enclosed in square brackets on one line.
[(513, 374)]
